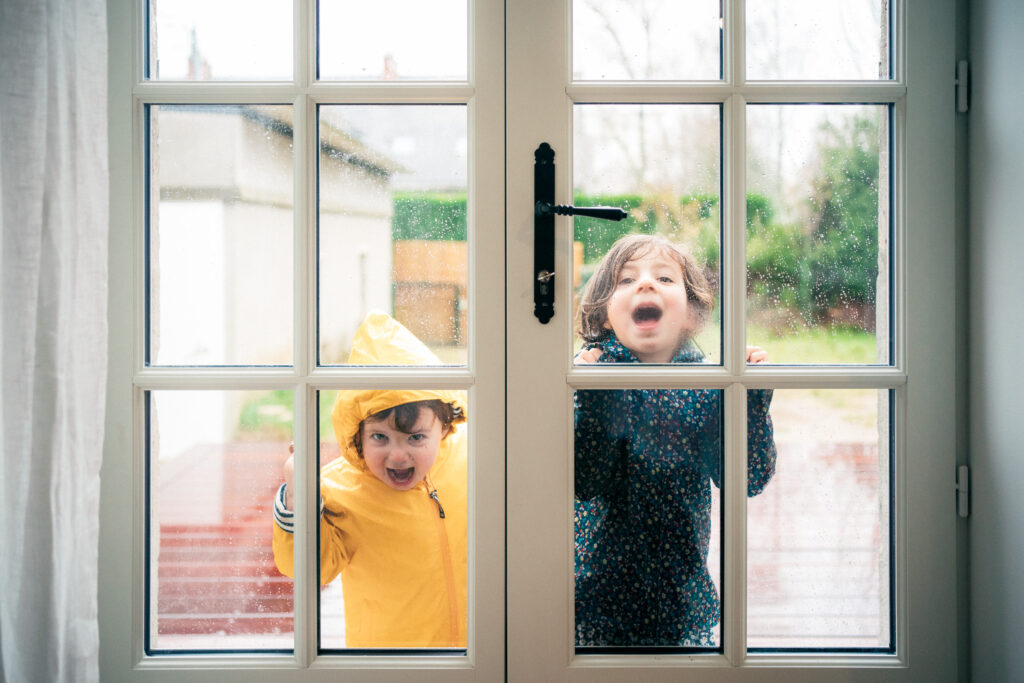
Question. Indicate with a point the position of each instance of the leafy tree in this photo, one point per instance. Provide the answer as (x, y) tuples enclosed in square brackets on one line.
[(843, 251)]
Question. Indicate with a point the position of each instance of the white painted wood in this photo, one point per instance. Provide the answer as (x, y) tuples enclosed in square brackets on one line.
[(536, 359), (123, 522), (921, 375)]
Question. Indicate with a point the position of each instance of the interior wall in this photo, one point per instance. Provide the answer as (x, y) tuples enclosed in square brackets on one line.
[(963, 613), (996, 338)]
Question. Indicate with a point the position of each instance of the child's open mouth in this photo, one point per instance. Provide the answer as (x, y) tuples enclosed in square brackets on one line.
[(401, 477), (646, 315)]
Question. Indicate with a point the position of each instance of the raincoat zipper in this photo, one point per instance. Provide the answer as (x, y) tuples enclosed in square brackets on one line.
[(440, 510), (446, 556)]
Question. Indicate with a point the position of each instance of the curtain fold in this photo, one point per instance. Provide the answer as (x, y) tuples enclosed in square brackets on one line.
[(53, 334)]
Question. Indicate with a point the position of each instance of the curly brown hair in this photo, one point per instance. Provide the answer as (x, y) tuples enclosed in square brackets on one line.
[(592, 316), (406, 416)]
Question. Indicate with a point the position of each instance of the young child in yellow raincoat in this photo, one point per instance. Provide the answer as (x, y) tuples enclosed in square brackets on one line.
[(393, 508)]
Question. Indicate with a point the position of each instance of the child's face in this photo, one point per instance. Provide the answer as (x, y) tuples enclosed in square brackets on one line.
[(648, 310), (398, 459)]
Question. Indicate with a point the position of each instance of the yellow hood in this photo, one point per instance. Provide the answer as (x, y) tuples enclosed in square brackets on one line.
[(382, 340)]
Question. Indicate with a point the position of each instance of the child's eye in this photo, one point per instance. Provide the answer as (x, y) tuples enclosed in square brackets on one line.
[(415, 438), (378, 437), (625, 281), (666, 278)]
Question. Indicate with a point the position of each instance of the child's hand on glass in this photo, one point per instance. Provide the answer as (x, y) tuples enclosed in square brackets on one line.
[(289, 476), (588, 356), (756, 355)]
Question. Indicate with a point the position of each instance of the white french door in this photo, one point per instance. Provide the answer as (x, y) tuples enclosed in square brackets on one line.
[(638, 103), (713, 136)]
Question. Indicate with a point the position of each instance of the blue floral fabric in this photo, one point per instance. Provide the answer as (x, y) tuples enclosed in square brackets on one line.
[(645, 461)]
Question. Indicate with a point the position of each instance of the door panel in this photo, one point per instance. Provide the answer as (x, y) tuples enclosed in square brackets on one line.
[(265, 213), (857, 484)]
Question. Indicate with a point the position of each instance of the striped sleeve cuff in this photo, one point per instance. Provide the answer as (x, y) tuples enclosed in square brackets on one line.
[(284, 517)]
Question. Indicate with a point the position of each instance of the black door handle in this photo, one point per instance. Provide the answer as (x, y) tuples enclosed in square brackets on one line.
[(608, 213), (544, 213)]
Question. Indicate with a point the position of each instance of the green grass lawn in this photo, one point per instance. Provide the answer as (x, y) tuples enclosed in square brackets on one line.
[(814, 345)]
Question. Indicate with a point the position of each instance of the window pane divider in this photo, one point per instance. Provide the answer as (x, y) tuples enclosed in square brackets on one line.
[(286, 93), (734, 525), (391, 377), (399, 93), (304, 144), (216, 93), (785, 91), (790, 377)]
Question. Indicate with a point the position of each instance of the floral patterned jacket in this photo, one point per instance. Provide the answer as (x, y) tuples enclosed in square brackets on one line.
[(645, 461)]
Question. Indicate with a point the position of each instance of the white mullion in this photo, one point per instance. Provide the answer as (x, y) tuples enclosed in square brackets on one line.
[(173, 92), (899, 524), (734, 524), (285, 93), (217, 379), (392, 93), (180, 92), (382, 377), (734, 470), (733, 234), (624, 92), (306, 493), (306, 473), (898, 236), (824, 92), (307, 527), (139, 228), (734, 50), (898, 40), (304, 42), (304, 279), (663, 377)]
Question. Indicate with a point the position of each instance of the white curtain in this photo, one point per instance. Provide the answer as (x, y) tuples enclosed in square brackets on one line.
[(53, 334)]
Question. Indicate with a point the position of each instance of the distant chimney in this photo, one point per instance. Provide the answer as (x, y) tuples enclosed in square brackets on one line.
[(198, 67), (390, 68)]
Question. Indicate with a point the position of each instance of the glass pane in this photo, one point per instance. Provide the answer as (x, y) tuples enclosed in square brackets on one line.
[(819, 538), (638, 41), (393, 539), (390, 40), (818, 40), (818, 225), (648, 467), (223, 40), (220, 235), (214, 463), (662, 164), (392, 234)]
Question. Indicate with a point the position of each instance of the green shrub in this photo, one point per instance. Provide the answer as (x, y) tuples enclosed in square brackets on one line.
[(429, 216), (843, 253)]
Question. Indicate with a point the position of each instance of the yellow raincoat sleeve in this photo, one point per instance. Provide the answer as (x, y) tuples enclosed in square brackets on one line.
[(333, 553)]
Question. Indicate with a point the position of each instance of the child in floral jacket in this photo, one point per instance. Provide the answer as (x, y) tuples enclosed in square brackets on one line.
[(646, 458)]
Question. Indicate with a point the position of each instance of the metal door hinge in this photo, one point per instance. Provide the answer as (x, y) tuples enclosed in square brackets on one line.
[(962, 82), (963, 491)]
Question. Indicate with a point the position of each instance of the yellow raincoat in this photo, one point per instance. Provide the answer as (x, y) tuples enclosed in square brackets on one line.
[(402, 561)]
